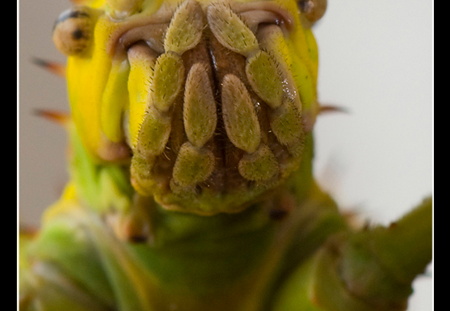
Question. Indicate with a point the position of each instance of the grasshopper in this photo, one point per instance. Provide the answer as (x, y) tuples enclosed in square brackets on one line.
[(191, 171)]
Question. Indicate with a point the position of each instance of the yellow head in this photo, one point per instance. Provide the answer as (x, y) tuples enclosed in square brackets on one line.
[(209, 101)]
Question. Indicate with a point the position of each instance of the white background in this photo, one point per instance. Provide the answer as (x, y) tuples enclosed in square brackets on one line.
[(376, 61)]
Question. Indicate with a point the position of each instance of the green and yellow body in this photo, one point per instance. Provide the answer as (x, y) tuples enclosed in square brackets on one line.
[(191, 149)]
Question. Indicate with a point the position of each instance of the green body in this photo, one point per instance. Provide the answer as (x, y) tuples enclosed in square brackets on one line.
[(283, 253)]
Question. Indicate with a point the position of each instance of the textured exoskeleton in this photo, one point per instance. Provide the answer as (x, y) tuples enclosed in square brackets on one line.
[(191, 171)]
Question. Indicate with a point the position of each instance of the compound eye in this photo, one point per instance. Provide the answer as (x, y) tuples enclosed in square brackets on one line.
[(72, 32), (313, 10)]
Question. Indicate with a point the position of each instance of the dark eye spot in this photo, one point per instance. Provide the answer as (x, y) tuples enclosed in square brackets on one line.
[(73, 30), (78, 34)]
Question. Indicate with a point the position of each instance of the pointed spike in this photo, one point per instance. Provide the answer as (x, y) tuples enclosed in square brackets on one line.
[(53, 67), (331, 108), (57, 117), (28, 231)]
